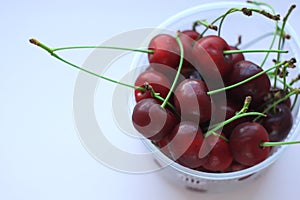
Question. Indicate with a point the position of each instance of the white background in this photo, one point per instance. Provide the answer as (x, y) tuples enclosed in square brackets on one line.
[(41, 156)]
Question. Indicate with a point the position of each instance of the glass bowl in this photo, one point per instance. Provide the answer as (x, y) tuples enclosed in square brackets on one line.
[(256, 32)]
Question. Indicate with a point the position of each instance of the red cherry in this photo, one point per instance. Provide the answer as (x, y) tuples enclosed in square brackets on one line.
[(219, 157), (166, 50), (278, 123), (257, 88), (191, 33), (245, 143), (156, 80), (185, 143), (192, 101), (236, 57), (209, 57), (153, 121), (235, 166)]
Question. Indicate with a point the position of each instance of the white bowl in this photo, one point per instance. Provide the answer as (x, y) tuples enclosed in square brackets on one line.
[(234, 25)]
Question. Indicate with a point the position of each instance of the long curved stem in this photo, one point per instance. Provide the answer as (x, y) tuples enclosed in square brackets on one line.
[(178, 71), (246, 80), (104, 47)]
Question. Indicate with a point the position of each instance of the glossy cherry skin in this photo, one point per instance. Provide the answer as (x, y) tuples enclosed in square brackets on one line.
[(185, 143), (153, 121), (190, 73), (257, 88), (192, 101), (156, 80), (219, 157), (235, 166), (188, 38), (278, 123), (166, 50), (194, 35), (209, 57), (245, 143), (236, 57)]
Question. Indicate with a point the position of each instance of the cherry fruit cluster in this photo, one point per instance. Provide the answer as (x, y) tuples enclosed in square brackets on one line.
[(181, 108)]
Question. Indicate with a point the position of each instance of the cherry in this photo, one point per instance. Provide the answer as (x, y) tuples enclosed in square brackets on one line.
[(185, 143), (209, 57), (192, 101), (278, 123), (166, 50), (194, 35), (257, 88), (236, 57), (187, 38), (235, 166), (230, 109), (219, 157), (277, 94), (156, 80), (190, 73), (153, 121), (245, 143)]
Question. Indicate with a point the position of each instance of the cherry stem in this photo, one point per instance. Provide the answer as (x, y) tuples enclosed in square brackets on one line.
[(273, 144), (104, 47), (220, 136), (157, 96), (280, 40), (275, 32), (178, 70), (246, 11), (254, 51), (246, 80), (294, 91), (242, 113), (43, 46), (204, 23)]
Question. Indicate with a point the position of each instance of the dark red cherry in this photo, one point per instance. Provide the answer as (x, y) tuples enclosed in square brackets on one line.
[(153, 121), (187, 40), (191, 33), (230, 109), (219, 157), (278, 123), (209, 57), (245, 143), (166, 50), (236, 57), (190, 73), (185, 144), (276, 94), (192, 101), (235, 166), (257, 88), (169, 72), (156, 80)]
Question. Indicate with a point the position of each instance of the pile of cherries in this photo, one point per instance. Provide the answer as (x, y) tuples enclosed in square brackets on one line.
[(183, 127), (204, 105)]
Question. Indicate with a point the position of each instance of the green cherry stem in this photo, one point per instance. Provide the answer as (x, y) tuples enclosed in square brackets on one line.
[(273, 144), (242, 113), (276, 28), (104, 47), (204, 23), (254, 51), (246, 80), (178, 71), (281, 39), (293, 92), (43, 46), (246, 11)]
